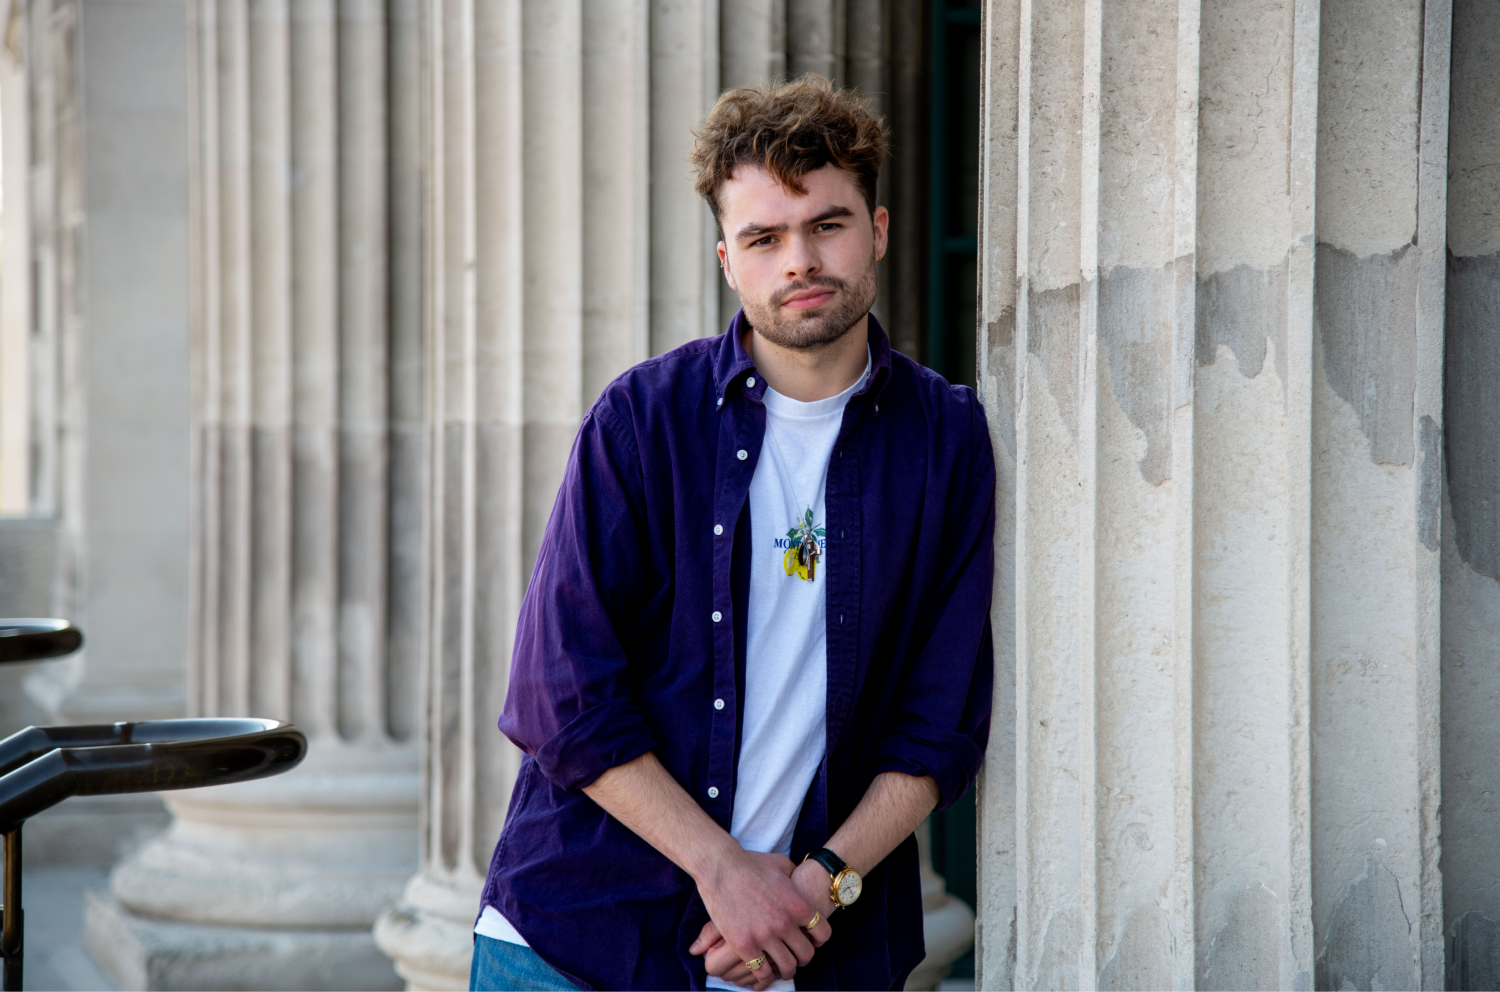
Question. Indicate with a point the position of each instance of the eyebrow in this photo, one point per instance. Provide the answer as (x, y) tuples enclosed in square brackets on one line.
[(759, 230)]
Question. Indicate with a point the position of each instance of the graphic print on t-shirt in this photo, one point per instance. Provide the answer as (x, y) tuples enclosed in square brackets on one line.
[(784, 729), (804, 545)]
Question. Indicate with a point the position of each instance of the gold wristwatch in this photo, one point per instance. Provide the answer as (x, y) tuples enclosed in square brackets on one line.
[(845, 884)]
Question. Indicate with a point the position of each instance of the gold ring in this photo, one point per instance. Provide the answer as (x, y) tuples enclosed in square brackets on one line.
[(755, 964), (816, 917)]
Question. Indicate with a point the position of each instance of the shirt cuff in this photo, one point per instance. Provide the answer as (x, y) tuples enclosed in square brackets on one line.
[(598, 739), (951, 758)]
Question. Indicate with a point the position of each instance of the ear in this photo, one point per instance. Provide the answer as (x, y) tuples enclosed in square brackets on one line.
[(882, 222), (724, 264)]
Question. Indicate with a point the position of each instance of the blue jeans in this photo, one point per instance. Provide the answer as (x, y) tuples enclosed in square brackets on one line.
[(505, 967)]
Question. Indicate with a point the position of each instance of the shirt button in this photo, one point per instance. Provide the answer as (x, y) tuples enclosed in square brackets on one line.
[(713, 792), (718, 529), (750, 382), (718, 704), (742, 454), (718, 616)]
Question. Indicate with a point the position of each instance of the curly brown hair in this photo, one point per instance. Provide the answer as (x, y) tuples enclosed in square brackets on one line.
[(789, 129)]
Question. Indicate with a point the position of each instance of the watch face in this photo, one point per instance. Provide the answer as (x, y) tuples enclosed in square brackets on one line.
[(849, 887)]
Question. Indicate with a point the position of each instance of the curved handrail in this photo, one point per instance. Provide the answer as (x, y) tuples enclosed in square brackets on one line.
[(37, 639), (42, 766)]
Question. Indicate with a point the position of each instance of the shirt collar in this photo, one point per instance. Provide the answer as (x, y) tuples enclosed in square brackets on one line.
[(733, 361)]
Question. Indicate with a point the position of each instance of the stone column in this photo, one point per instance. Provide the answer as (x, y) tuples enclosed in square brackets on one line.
[(540, 232), (100, 281), (15, 300), (305, 488), (1471, 529), (565, 243), (1210, 349), (93, 376)]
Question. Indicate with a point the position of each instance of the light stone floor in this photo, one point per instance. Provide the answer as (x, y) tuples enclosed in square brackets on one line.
[(55, 959)]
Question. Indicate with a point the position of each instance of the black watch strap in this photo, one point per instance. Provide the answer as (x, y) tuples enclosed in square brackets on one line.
[(832, 863)]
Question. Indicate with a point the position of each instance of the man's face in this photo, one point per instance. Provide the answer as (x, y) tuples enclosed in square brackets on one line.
[(804, 265)]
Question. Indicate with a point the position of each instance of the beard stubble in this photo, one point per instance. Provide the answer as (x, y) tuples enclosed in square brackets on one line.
[(816, 330)]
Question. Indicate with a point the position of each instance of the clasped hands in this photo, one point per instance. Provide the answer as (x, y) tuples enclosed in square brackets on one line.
[(759, 904)]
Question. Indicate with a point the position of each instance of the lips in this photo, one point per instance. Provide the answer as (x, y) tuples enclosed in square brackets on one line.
[(808, 300)]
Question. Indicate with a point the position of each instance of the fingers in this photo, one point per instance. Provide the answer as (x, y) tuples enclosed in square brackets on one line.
[(721, 960), (760, 978), (819, 934), (707, 938), (782, 957)]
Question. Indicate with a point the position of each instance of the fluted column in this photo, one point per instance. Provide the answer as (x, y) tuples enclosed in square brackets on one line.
[(305, 482), (93, 375), (1470, 523), (565, 242), (1211, 349), (540, 222)]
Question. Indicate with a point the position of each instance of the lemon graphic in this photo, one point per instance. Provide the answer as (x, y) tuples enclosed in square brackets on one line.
[(790, 563)]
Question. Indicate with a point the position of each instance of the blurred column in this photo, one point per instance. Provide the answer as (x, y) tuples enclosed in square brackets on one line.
[(540, 224), (565, 243), (305, 492), (1471, 511), (1216, 597), (94, 390)]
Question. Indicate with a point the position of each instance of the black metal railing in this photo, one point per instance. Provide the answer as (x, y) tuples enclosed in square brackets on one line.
[(37, 639), (42, 766)]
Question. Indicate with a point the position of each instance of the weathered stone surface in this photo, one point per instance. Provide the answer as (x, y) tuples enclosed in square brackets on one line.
[(1214, 350)]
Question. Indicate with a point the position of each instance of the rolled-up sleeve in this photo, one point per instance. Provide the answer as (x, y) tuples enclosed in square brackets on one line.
[(940, 722), (569, 704)]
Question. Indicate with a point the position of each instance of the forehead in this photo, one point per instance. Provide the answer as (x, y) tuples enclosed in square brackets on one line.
[(752, 195)]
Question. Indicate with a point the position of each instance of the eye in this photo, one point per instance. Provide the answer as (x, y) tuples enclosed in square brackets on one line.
[(828, 226), (762, 242)]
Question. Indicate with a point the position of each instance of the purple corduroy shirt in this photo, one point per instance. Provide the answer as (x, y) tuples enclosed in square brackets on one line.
[(634, 625)]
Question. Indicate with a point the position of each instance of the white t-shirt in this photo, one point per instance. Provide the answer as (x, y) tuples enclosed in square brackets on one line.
[(786, 657)]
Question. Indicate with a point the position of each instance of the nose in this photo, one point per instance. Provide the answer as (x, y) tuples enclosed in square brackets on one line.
[(802, 259)]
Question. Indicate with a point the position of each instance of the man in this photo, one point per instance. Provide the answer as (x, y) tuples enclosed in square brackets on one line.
[(755, 651)]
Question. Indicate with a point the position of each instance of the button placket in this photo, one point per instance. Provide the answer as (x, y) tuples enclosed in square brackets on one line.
[(843, 503), (731, 489)]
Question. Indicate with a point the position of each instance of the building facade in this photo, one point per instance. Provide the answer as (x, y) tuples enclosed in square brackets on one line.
[(1237, 332)]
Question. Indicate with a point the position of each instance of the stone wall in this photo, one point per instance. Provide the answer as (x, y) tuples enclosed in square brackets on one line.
[(1237, 307), (1213, 348)]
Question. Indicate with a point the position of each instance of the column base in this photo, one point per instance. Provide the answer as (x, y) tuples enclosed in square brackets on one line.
[(93, 831), (947, 924), (138, 952), (430, 932), (327, 845)]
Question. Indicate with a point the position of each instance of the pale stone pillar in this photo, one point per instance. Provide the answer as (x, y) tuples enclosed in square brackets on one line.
[(305, 485), (15, 294), (94, 417), (540, 222), (94, 389), (1216, 593), (565, 242), (1471, 528), (95, 318)]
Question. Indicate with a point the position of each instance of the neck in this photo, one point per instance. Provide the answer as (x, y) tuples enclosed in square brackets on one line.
[(816, 373)]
